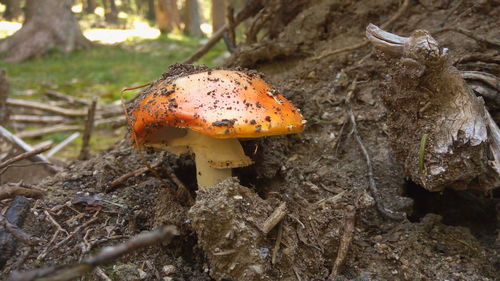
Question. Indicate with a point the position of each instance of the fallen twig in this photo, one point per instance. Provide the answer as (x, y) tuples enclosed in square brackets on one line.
[(128, 175), (277, 243), (60, 243), (182, 191), (114, 121), (13, 191), (62, 144), (345, 241), (48, 130), (87, 132), (19, 233), (45, 107), (101, 274), (19, 143), (106, 255), (205, 48), (4, 94), (395, 17), (67, 98), (276, 216), (24, 155), (22, 118)]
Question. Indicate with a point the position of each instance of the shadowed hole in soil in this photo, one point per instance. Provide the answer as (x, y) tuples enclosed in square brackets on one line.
[(458, 208)]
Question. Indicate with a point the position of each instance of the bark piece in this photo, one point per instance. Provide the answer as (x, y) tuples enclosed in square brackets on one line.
[(439, 130)]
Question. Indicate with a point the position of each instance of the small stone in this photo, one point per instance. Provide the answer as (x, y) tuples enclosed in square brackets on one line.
[(169, 269)]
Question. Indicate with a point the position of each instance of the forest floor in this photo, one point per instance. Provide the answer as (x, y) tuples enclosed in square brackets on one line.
[(320, 174)]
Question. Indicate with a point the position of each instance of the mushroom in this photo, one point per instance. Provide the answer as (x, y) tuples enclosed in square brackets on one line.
[(205, 113)]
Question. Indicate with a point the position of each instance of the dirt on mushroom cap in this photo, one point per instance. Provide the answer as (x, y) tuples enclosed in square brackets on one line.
[(216, 103)]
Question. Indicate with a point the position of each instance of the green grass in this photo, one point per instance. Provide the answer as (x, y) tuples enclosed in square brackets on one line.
[(104, 70)]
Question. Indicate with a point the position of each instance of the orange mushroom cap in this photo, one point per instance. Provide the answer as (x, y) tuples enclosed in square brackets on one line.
[(216, 103)]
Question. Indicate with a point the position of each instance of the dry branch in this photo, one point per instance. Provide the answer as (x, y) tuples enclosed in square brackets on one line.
[(276, 216), (20, 144), (105, 256), (115, 122), (4, 94), (36, 119), (22, 156), (62, 144), (48, 130), (45, 107), (67, 98), (128, 175), (87, 132)]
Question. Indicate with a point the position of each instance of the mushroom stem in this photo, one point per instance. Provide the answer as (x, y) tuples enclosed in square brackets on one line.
[(214, 157), (206, 175)]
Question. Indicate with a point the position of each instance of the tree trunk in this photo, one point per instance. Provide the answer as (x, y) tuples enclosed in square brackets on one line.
[(89, 6), (48, 24), (12, 9), (111, 11), (150, 14), (191, 18), (167, 15), (218, 14)]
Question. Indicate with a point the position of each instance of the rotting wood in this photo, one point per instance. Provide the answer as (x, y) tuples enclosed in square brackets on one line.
[(107, 255), (87, 132), (276, 216), (426, 95)]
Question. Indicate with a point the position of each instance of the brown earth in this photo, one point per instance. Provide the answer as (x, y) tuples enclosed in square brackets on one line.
[(320, 174)]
